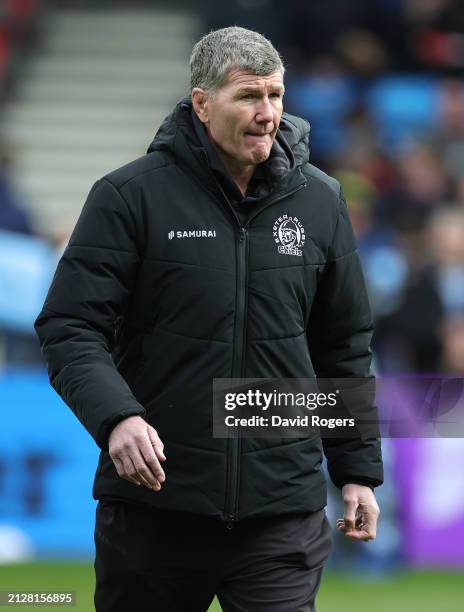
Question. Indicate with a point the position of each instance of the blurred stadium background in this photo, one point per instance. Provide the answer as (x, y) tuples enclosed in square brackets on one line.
[(83, 87)]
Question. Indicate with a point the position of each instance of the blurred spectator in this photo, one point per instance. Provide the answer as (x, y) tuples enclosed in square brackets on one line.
[(362, 52), (360, 194), (325, 96), (423, 181), (269, 17), (446, 240), (366, 155), (452, 335), (16, 345), (436, 33), (17, 30), (384, 264), (410, 339), (4, 51), (13, 217), (449, 137), (359, 33)]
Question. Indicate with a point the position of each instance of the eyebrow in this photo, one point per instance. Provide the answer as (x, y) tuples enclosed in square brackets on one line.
[(251, 89)]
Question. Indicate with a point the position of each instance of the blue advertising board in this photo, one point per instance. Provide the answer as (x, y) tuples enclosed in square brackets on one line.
[(47, 464)]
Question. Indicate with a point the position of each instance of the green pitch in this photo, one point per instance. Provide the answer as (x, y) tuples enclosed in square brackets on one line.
[(406, 591)]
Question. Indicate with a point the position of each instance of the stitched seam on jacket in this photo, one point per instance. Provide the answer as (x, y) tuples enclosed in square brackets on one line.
[(104, 248), (259, 292), (338, 219), (129, 211), (284, 445), (281, 338), (192, 337), (322, 263), (336, 227), (345, 255), (185, 263), (206, 450), (172, 163)]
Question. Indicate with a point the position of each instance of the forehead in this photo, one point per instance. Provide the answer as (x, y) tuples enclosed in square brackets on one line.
[(241, 78)]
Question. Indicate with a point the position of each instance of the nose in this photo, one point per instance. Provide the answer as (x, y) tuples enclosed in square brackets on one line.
[(264, 112)]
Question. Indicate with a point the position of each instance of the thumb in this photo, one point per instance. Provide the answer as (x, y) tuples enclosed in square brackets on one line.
[(349, 517)]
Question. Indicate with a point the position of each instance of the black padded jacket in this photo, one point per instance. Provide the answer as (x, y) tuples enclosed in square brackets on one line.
[(161, 289)]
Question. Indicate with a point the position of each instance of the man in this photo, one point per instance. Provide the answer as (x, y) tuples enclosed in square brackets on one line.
[(182, 268)]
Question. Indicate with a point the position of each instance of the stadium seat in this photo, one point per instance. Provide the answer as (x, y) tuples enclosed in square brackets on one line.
[(325, 102), (403, 107)]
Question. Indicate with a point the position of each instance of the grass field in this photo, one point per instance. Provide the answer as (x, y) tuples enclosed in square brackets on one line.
[(408, 591)]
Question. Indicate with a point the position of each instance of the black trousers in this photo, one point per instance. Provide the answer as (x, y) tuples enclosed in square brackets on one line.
[(164, 561)]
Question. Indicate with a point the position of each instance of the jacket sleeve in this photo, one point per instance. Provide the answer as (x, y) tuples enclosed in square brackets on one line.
[(339, 335), (76, 327)]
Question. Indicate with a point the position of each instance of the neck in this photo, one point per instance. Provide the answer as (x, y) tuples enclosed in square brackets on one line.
[(240, 173)]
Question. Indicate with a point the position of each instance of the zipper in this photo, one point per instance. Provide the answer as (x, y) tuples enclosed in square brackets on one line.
[(238, 364), (238, 359)]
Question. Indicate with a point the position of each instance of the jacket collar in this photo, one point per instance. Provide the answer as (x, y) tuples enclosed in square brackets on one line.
[(179, 135)]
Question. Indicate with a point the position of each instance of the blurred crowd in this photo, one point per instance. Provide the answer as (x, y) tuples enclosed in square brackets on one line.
[(380, 82), (17, 30), (404, 187), (368, 37)]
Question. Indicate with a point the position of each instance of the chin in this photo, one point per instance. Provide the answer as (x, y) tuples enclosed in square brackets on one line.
[(259, 156)]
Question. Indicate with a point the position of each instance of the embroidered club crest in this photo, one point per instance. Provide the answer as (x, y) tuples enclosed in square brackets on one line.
[(289, 235)]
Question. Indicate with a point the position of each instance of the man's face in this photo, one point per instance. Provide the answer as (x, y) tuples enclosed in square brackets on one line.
[(243, 115)]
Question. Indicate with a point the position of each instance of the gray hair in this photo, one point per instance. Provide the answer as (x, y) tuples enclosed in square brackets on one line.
[(216, 53)]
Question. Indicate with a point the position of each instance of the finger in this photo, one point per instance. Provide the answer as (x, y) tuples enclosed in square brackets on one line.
[(151, 460), (135, 473), (358, 534), (342, 526), (370, 526), (144, 471), (362, 530), (370, 514), (349, 515), (130, 471), (355, 533), (119, 464), (155, 440)]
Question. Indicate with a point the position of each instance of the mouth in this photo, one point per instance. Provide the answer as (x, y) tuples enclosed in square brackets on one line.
[(256, 136)]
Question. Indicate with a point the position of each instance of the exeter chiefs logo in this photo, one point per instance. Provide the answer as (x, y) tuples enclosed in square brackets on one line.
[(289, 234)]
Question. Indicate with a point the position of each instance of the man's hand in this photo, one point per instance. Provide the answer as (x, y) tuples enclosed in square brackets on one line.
[(136, 451), (361, 512)]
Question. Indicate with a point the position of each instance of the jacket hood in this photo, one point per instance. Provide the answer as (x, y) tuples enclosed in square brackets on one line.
[(177, 130)]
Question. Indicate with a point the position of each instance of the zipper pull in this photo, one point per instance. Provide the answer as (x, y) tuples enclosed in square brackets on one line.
[(242, 233), (230, 522)]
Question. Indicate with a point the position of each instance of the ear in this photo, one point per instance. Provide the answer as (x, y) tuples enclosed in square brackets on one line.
[(200, 103)]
